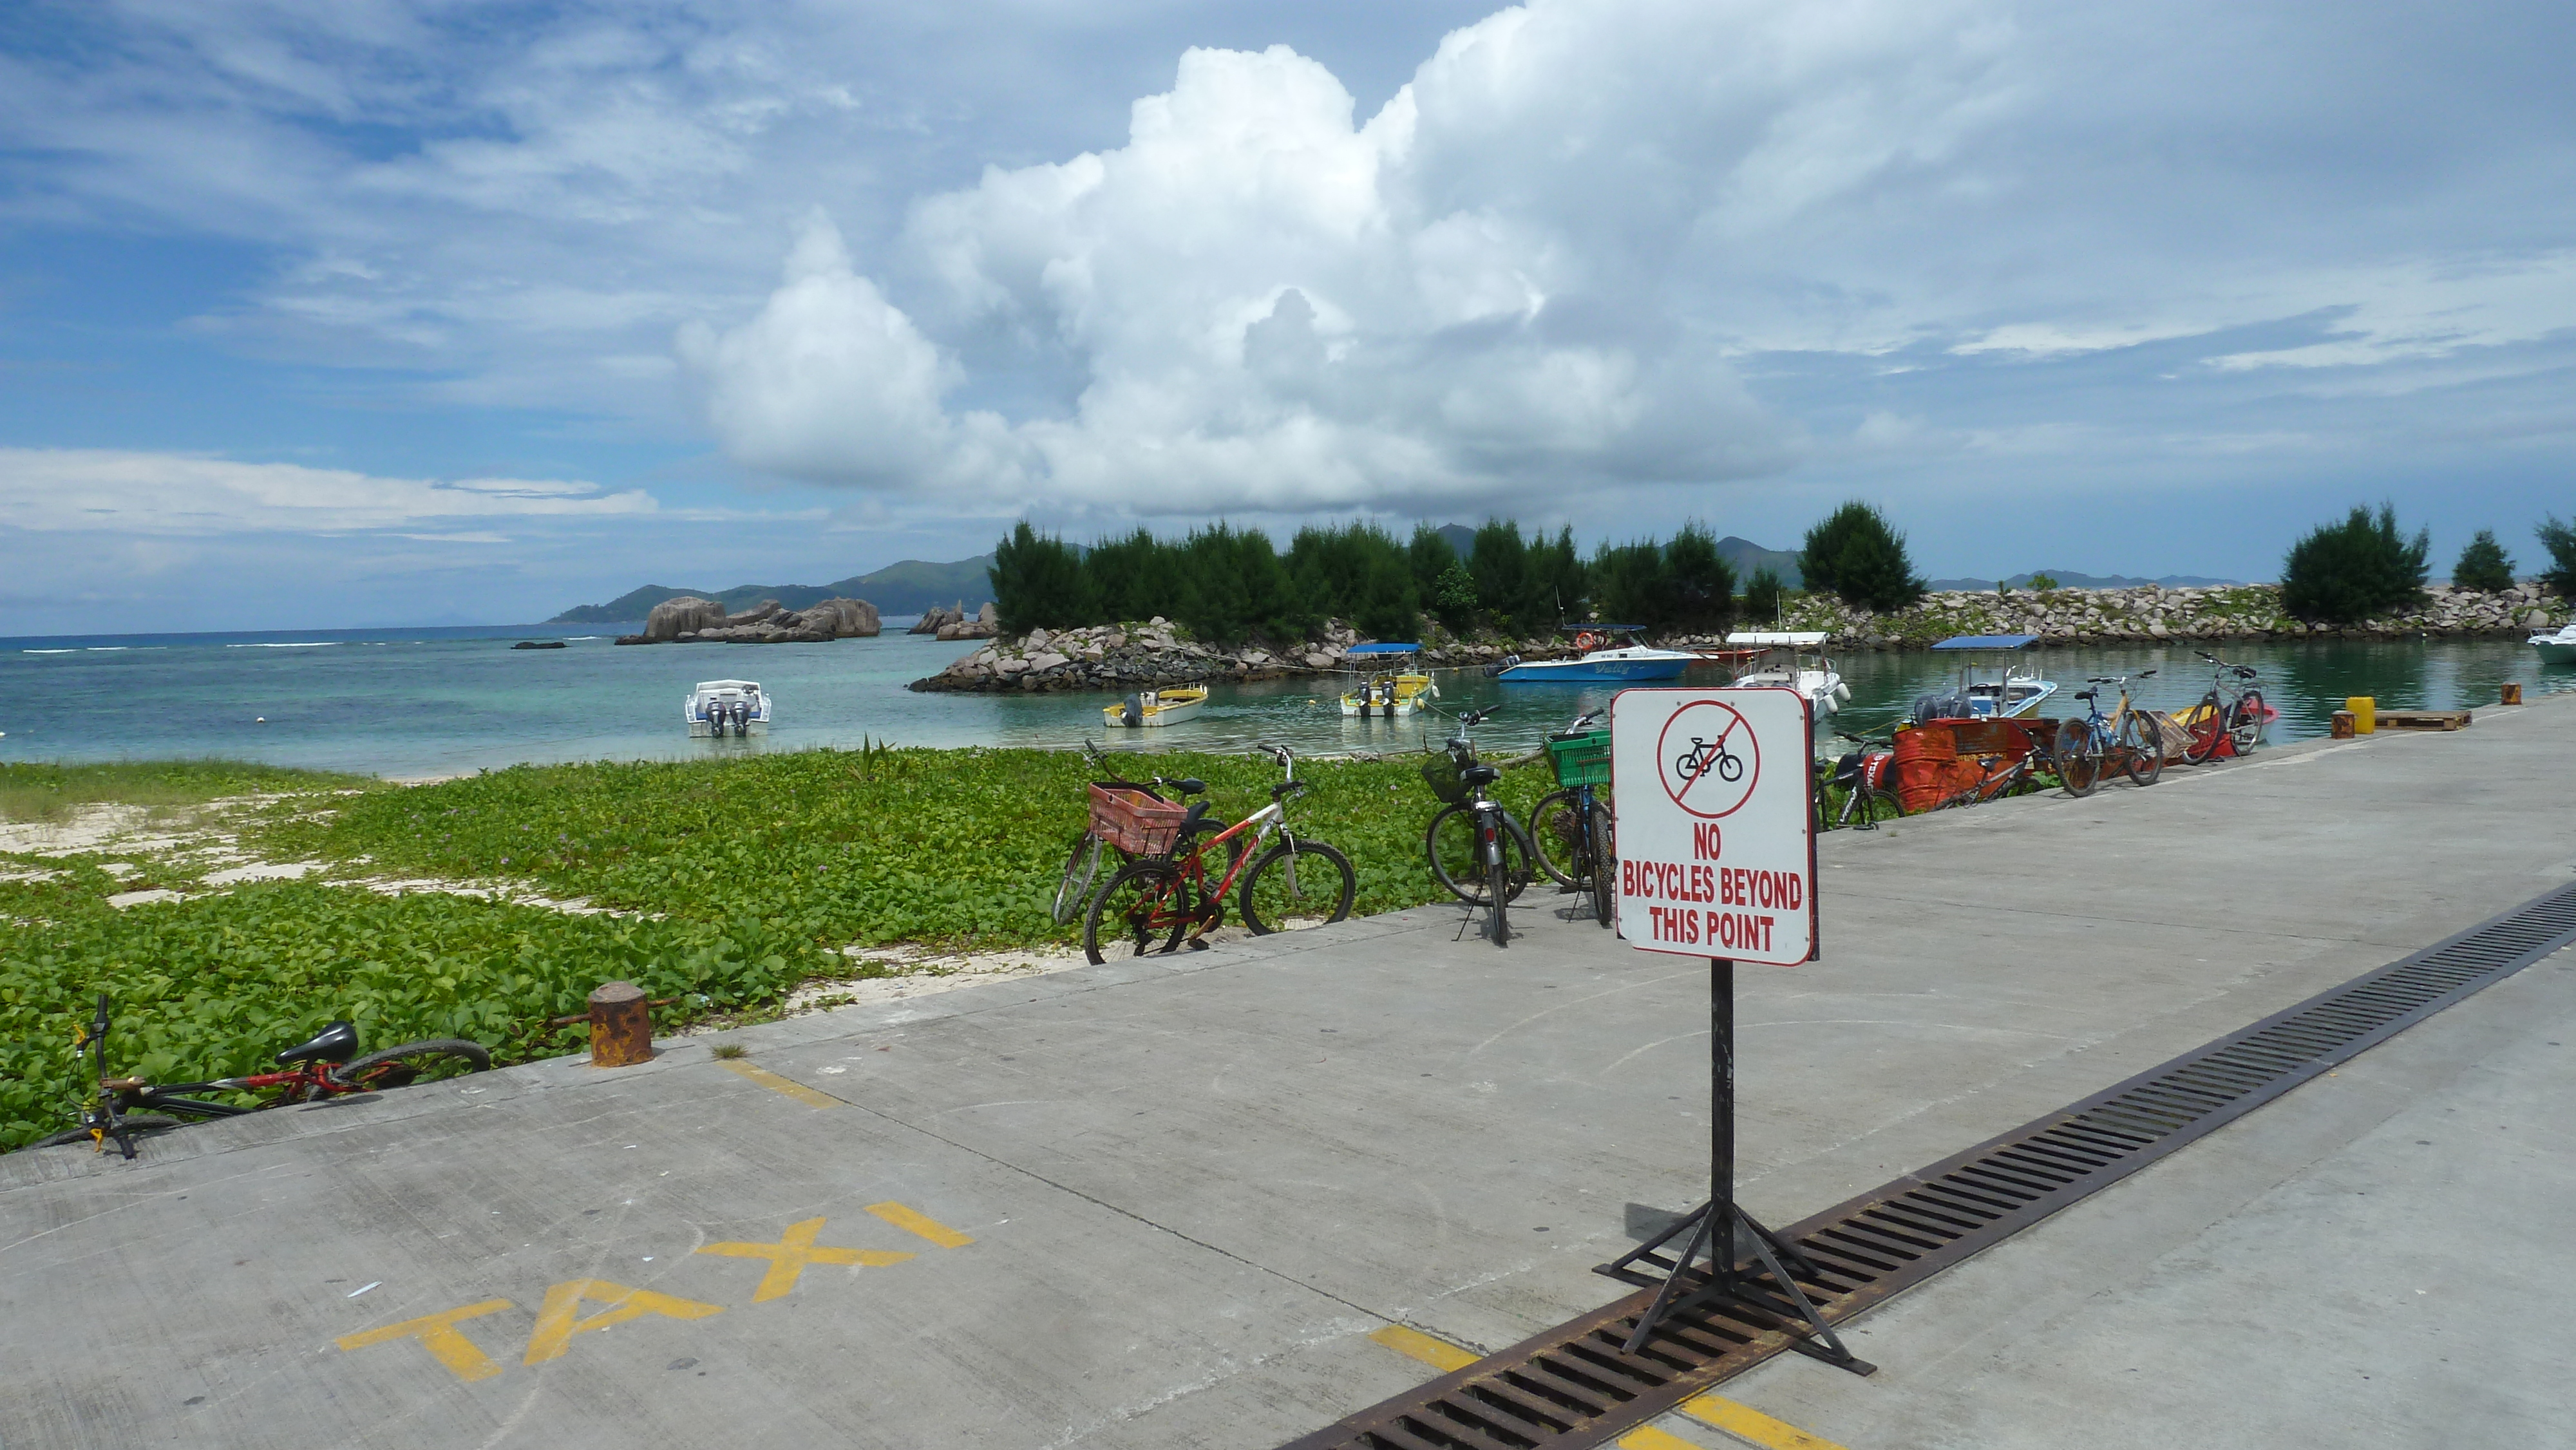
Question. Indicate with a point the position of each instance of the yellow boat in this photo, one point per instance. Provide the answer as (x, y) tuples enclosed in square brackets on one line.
[(1155, 707), (1387, 696)]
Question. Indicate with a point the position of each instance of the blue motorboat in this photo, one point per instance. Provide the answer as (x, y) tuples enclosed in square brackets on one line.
[(1601, 663), (1989, 694)]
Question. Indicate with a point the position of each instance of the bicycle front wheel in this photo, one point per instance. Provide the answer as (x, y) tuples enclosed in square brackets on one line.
[(2079, 758), (1143, 910), (1556, 828), (2147, 756), (1498, 901), (1309, 884), (1460, 868), (1074, 887), (413, 1062), (139, 1126), (1604, 869)]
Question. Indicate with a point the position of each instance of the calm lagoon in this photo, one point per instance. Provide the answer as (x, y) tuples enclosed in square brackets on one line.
[(426, 702)]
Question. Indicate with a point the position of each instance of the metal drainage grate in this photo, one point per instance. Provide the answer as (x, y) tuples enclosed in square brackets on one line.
[(1572, 1386)]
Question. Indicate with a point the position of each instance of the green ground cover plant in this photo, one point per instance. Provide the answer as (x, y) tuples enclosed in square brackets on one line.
[(215, 985), (37, 792), (957, 848), (728, 883)]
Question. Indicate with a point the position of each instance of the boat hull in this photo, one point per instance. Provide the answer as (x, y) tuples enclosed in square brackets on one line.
[(1592, 672), (2555, 651), (1413, 694), (1169, 707)]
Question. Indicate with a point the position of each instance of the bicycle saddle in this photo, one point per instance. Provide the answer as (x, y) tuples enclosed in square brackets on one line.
[(335, 1043), (1480, 775), (1190, 785), (2088, 694)]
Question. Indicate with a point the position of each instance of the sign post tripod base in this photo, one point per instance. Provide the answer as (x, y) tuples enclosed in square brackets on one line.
[(1731, 1238)]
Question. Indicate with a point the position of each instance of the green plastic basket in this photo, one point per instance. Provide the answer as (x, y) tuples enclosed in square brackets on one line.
[(1581, 759)]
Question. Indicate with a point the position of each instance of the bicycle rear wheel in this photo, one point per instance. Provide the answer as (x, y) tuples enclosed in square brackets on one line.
[(2147, 755), (1142, 911), (1455, 862), (1604, 869), (1556, 829), (1320, 895), (2079, 757), (413, 1062), (2206, 731)]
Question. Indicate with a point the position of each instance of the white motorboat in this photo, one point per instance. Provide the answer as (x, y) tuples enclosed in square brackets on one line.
[(1805, 669), (1986, 693), (1600, 663), (721, 707), (2558, 646)]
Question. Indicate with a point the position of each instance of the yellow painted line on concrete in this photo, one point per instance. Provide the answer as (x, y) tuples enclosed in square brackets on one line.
[(1747, 1423), (920, 1225), (793, 1251), (1740, 1420), (1440, 1354), (772, 1081), (438, 1334)]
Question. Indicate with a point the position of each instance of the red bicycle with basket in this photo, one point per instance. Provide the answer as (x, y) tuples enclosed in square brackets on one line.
[(1164, 899)]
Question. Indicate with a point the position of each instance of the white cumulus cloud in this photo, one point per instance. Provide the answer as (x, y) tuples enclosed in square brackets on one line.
[(1265, 303), (64, 490)]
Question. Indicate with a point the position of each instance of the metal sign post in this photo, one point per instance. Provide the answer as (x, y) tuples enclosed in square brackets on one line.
[(1717, 848)]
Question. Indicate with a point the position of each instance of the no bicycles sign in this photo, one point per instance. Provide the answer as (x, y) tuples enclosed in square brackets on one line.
[(1717, 838)]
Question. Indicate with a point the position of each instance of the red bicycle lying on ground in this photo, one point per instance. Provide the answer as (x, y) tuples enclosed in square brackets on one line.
[(328, 1066)]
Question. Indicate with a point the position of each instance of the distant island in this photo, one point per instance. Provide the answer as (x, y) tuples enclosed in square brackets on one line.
[(2069, 579), (907, 587)]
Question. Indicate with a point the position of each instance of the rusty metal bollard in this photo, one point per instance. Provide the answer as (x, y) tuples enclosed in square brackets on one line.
[(2343, 725), (2512, 692), (621, 1025)]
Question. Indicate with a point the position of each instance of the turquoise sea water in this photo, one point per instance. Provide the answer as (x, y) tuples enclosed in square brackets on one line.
[(408, 703)]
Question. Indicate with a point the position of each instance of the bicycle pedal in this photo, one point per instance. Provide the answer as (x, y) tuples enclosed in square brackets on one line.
[(1198, 944)]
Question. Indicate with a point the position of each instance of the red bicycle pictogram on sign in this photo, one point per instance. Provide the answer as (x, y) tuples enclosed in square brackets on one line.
[(1708, 759)]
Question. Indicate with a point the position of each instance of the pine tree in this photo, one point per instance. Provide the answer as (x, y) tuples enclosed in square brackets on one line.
[(2484, 565), (2355, 570), (1856, 554)]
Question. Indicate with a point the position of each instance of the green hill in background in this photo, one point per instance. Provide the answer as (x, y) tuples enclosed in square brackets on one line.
[(906, 587)]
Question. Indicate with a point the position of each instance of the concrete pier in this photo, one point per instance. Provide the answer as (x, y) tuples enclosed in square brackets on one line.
[(1181, 1203)]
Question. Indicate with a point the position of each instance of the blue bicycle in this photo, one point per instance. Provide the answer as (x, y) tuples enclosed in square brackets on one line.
[(2094, 744)]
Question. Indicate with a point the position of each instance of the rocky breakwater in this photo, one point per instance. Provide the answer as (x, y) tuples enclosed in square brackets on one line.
[(2150, 612), (956, 623), (1125, 657), (688, 619)]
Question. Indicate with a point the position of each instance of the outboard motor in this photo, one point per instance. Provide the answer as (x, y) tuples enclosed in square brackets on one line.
[(1133, 716), (1500, 665)]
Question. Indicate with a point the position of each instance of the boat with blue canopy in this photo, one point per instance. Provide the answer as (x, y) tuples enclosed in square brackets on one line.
[(1999, 691), (1396, 687)]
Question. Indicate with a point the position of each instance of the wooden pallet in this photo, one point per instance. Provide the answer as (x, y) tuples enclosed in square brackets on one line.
[(2423, 719)]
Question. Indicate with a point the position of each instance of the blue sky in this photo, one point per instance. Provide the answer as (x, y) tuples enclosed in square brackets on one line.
[(390, 312)]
